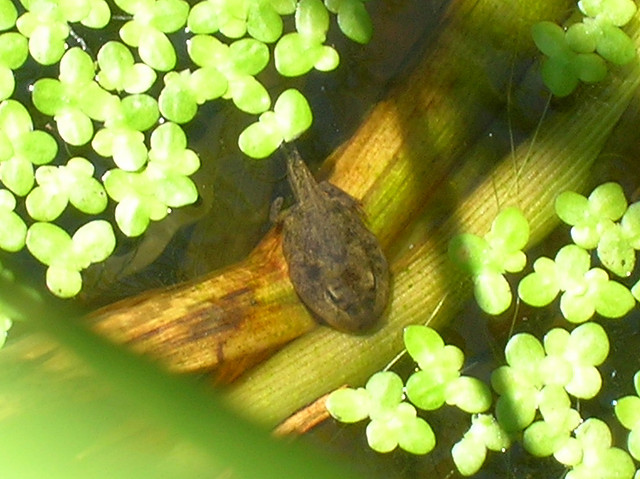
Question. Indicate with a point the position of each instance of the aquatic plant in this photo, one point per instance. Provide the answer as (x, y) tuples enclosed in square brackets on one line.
[(604, 222), (123, 107), (580, 52), (535, 392), (487, 258), (627, 410)]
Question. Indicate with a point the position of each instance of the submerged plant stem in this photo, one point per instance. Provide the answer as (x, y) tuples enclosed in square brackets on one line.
[(561, 158), (400, 164)]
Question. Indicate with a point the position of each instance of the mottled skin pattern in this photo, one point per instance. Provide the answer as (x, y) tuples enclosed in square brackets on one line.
[(335, 263)]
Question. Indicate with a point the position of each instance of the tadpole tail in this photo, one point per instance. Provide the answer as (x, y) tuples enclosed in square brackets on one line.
[(299, 176)]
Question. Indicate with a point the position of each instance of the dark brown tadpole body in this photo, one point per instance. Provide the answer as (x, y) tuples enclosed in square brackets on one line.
[(335, 263)]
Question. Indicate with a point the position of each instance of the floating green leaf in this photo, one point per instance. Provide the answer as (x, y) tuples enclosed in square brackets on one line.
[(8, 15), (354, 21), (264, 23), (312, 19)]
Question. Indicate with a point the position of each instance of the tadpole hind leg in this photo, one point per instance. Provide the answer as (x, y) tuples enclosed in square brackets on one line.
[(276, 214)]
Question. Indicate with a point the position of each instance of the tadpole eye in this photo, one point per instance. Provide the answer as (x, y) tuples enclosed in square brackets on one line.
[(343, 297), (370, 280), (335, 294)]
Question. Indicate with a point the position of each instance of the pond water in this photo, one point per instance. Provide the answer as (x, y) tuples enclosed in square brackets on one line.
[(236, 193)]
